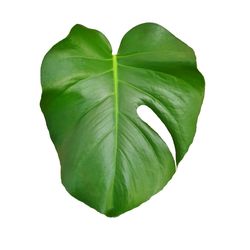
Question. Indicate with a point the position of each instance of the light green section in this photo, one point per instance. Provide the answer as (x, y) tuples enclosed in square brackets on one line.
[(116, 109)]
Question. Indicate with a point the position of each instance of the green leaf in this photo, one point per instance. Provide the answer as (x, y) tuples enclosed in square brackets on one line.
[(111, 159)]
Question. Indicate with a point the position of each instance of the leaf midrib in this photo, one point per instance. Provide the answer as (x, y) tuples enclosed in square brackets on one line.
[(116, 114)]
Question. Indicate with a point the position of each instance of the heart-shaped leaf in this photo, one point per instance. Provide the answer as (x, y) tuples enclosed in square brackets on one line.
[(110, 159)]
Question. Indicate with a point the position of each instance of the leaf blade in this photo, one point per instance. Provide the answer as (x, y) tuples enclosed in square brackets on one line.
[(111, 159)]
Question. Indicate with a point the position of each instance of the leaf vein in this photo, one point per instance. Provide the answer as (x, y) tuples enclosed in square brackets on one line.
[(141, 132), (83, 80), (93, 107), (87, 58)]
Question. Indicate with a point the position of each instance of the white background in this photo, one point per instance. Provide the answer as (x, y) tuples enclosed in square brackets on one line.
[(207, 203)]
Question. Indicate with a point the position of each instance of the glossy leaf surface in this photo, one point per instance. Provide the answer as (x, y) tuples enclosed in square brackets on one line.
[(111, 159)]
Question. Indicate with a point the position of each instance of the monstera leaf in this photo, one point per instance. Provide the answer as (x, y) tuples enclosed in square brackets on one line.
[(110, 159)]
